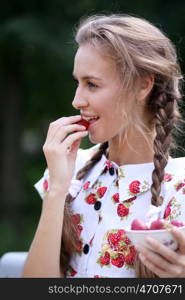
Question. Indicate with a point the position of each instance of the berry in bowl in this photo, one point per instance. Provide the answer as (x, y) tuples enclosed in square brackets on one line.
[(158, 229)]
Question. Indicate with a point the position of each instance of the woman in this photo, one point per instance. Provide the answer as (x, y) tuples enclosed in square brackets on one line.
[(128, 89)]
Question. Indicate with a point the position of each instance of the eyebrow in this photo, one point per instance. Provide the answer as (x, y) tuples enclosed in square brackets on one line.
[(87, 77)]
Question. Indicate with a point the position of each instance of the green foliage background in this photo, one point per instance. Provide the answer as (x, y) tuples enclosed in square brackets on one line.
[(36, 61)]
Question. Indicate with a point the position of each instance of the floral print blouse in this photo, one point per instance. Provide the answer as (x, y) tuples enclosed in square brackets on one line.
[(106, 201)]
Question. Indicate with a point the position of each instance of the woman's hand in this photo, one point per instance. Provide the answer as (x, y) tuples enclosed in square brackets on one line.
[(60, 150), (163, 261)]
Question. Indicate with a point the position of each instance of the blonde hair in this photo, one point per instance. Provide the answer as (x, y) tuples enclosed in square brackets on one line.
[(139, 49)]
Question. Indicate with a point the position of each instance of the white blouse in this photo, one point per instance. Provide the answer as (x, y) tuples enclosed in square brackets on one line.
[(106, 201)]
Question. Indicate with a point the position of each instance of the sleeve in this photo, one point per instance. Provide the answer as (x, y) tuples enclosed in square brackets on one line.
[(175, 207), (42, 186)]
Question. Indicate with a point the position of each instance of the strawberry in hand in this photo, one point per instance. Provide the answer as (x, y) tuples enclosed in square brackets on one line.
[(84, 123)]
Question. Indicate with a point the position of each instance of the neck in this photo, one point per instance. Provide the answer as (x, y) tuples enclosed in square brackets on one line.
[(138, 152)]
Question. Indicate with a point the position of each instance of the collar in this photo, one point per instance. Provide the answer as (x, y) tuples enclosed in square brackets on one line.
[(132, 180)]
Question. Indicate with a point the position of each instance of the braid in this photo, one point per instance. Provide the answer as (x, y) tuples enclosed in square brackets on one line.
[(162, 103), (69, 238), (90, 163), (164, 118)]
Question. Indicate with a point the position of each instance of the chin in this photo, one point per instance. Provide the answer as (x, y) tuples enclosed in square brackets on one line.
[(97, 140)]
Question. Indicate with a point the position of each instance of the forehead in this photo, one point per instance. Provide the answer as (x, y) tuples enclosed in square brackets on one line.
[(88, 60)]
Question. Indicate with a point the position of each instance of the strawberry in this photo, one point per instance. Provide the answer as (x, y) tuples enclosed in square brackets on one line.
[(130, 258), (84, 123), (122, 210), (167, 211), (177, 223), (86, 185), (105, 260), (120, 232), (71, 271), (138, 225), (167, 177), (113, 240), (101, 191), (118, 261), (115, 197), (179, 186), (108, 164), (134, 187), (91, 199), (126, 240), (160, 224)]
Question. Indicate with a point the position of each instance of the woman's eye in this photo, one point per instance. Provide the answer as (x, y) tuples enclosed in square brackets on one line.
[(91, 85)]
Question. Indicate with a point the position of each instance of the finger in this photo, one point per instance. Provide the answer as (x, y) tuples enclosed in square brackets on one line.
[(64, 131), (159, 263), (73, 139), (152, 267), (180, 237), (163, 250), (67, 120), (54, 126)]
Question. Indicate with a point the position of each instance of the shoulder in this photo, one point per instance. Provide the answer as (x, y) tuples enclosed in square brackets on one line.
[(176, 164), (175, 174), (175, 183), (175, 169)]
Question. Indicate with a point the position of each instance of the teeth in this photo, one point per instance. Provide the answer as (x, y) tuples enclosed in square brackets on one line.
[(90, 118)]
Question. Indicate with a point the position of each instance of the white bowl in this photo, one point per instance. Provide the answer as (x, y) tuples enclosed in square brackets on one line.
[(137, 237)]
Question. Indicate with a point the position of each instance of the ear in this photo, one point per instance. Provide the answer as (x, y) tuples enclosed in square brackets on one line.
[(145, 87)]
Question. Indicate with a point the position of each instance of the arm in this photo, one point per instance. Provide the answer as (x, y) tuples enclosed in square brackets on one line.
[(44, 255)]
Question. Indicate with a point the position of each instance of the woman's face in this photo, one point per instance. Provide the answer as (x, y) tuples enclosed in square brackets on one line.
[(98, 93)]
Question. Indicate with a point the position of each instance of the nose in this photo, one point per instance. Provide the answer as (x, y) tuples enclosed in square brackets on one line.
[(79, 101)]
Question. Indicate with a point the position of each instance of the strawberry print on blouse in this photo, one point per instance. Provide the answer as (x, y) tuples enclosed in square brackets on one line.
[(167, 177), (122, 211), (122, 208), (180, 185), (117, 250), (136, 187), (71, 272), (98, 193), (86, 185), (173, 209), (77, 220)]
